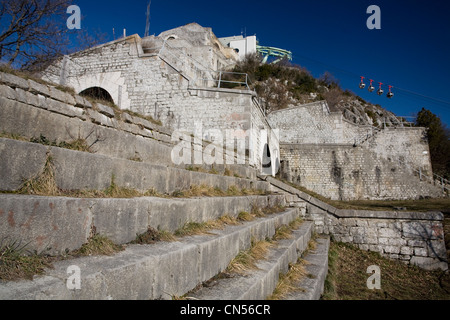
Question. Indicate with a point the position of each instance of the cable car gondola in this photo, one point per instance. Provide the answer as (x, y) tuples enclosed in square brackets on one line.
[(362, 85), (380, 90)]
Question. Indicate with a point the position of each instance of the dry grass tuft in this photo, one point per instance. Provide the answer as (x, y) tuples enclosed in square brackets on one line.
[(246, 260), (44, 183)]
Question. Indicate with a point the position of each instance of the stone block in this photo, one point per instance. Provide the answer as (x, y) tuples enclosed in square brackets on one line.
[(419, 230), (14, 81), (391, 249), (429, 263), (406, 251), (437, 249), (388, 233), (397, 242), (43, 223), (417, 243), (20, 161), (38, 88), (422, 252), (60, 95), (107, 111), (7, 92)]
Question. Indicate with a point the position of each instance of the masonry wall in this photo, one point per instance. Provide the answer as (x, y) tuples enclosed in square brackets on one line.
[(344, 172), (29, 110), (314, 123), (415, 238), (147, 84)]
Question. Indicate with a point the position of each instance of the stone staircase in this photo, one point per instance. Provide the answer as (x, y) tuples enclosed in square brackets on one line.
[(63, 221)]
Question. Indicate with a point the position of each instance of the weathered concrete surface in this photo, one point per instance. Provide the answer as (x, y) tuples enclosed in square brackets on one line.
[(259, 284), (156, 271), (76, 170), (317, 269), (32, 114), (56, 224)]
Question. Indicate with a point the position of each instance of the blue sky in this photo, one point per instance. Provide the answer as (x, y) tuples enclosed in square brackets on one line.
[(411, 51)]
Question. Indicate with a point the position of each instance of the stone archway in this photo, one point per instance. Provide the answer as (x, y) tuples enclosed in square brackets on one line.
[(97, 93), (112, 82)]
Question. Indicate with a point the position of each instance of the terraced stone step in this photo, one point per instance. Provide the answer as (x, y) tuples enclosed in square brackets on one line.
[(62, 223), (74, 170), (159, 271), (259, 284), (36, 113), (316, 267)]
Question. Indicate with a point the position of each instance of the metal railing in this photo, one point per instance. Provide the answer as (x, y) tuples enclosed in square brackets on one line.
[(436, 180), (198, 74), (224, 79)]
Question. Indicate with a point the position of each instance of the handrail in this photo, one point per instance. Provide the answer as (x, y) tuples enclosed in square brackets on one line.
[(166, 51), (440, 180)]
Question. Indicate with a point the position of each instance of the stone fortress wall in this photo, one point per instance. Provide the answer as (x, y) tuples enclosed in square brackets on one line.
[(162, 83), (331, 156)]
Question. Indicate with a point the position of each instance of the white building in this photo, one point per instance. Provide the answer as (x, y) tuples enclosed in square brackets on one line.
[(241, 45)]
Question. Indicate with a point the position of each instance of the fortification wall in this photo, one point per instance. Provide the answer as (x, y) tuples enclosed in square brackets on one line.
[(343, 172), (331, 156), (314, 123), (147, 84), (403, 145), (30, 110)]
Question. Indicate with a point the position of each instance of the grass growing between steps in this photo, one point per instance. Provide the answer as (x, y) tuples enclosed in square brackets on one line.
[(98, 245), (44, 184), (247, 260), (347, 278), (17, 263), (78, 144), (288, 282)]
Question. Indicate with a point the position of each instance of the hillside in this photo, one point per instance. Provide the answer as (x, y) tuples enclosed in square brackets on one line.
[(283, 85)]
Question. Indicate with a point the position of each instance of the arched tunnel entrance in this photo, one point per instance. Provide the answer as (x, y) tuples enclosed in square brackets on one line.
[(97, 93)]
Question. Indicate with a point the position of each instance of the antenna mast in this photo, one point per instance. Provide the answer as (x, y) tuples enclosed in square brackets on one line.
[(147, 25)]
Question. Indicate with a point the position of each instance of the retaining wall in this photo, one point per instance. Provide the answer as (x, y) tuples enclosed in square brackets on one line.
[(412, 237), (55, 225), (344, 172), (30, 109)]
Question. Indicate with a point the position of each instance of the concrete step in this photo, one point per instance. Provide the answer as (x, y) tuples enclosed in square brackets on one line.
[(259, 284), (317, 269), (159, 271), (75, 170), (31, 111), (62, 223)]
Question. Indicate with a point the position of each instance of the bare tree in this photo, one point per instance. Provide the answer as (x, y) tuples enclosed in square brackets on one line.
[(32, 32)]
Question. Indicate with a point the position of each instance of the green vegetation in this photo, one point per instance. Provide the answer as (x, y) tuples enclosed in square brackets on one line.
[(77, 144), (283, 83), (98, 245), (17, 263), (438, 137)]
